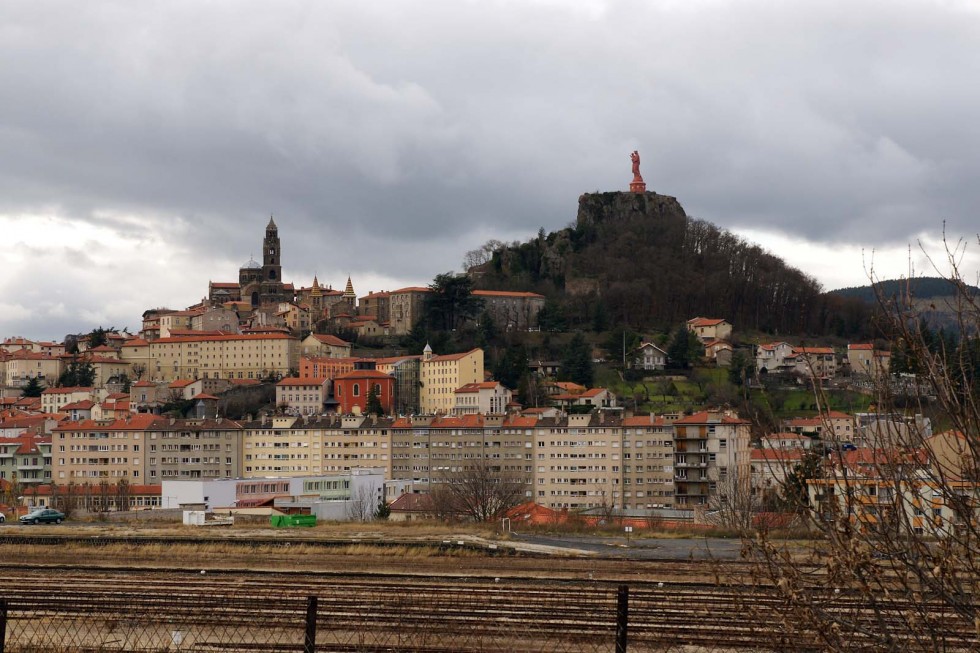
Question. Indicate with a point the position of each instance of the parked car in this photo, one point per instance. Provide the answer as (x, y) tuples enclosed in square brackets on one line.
[(43, 515)]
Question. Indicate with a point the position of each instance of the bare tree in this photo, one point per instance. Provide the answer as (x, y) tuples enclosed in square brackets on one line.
[(361, 505), (481, 255), (479, 490), (896, 523), (733, 505)]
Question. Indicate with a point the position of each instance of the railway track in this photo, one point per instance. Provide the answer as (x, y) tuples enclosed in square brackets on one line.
[(436, 614)]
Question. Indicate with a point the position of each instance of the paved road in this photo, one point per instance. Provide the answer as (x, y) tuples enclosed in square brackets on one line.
[(642, 549)]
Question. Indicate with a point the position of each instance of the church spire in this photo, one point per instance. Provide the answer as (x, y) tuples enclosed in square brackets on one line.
[(272, 223)]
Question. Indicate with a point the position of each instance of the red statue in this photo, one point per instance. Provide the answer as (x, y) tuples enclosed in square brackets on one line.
[(637, 185)]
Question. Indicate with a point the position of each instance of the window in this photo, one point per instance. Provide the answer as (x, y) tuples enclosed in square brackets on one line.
[(357, 389)]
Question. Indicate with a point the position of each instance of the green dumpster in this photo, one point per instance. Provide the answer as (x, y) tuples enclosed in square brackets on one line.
[(290, 521)]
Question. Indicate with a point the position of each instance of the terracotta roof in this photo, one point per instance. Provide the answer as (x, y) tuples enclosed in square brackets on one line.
[(861, 347), (520, 422), (592, 392), (132, 422), (86, 404), (705, 321), (364, 374), (201, 395), (770, 346), (805, 421), (227, 337), (412, 503), (644, 420), (182, 383), (813, 350), (470, 388), (452, 357), (704, 417), (136, 342), (333, 341), (411, 289), (66, 390)]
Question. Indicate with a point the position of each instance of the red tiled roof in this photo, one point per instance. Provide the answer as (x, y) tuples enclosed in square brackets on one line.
[(86, 404), (813, 350), (412, 503), (453, 357), (333, 341), (364, 374), (470, 388), (227, 337), (644, 420), (705, 321), (182, 383), (411, 289), (704, 417), (861, 347), (201, 395), (66, 390)]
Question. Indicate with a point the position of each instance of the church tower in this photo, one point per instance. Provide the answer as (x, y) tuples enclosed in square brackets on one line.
[(272, 290)]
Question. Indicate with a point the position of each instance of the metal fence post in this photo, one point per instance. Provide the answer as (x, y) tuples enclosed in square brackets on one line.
[(309, 644), (622, 617), (3, 624)]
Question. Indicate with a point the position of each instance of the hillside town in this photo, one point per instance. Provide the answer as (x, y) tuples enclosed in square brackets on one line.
[(113, 421)]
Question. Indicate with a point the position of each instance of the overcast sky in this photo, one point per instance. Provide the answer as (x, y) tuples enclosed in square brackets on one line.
[(143, 146)]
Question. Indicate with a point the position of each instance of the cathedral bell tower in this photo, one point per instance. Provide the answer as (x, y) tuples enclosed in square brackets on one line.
[(272, 290)]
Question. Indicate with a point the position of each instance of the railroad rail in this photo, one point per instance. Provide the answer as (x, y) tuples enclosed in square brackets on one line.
[(358, 613)]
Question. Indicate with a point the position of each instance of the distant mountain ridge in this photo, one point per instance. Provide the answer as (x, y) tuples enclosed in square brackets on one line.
[(638, 260), (919, 287)]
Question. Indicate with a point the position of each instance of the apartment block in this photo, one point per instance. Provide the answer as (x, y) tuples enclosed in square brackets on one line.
[(441, 376)]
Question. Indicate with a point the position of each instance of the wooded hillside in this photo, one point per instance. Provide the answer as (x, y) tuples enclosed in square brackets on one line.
[(638, 260)]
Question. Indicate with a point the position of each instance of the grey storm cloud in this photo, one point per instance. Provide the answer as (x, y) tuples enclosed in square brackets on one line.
[(387, 134)]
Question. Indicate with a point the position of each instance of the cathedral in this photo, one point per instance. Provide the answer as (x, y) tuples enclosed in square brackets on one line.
[(259, 285)]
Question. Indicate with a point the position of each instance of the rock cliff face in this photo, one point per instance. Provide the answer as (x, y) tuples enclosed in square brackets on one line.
[(594, 208)]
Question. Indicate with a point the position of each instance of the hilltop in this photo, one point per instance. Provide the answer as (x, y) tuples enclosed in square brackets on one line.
[(638, 259)]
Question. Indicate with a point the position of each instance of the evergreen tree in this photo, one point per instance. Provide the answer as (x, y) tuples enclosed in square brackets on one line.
[(382, 511), (34, 388), (451, 301), (576, 364), (600, 317), (551, 317), (77, 373), (684, 348), (512, 366), (374, 406)]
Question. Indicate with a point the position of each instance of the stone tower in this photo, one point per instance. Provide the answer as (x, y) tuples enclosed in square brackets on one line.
[(261, 284), (271, 287)]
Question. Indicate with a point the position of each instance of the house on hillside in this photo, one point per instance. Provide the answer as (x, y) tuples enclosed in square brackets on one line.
[(710, 328), (648, 356), (771, 357)]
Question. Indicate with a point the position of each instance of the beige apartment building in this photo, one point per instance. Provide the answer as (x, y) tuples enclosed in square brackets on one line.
[(441, 376), (145, 449), (302, 396), (487, 398), (711, 457), (22, 366), (295, 446), (52, 399), (245, 356)]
